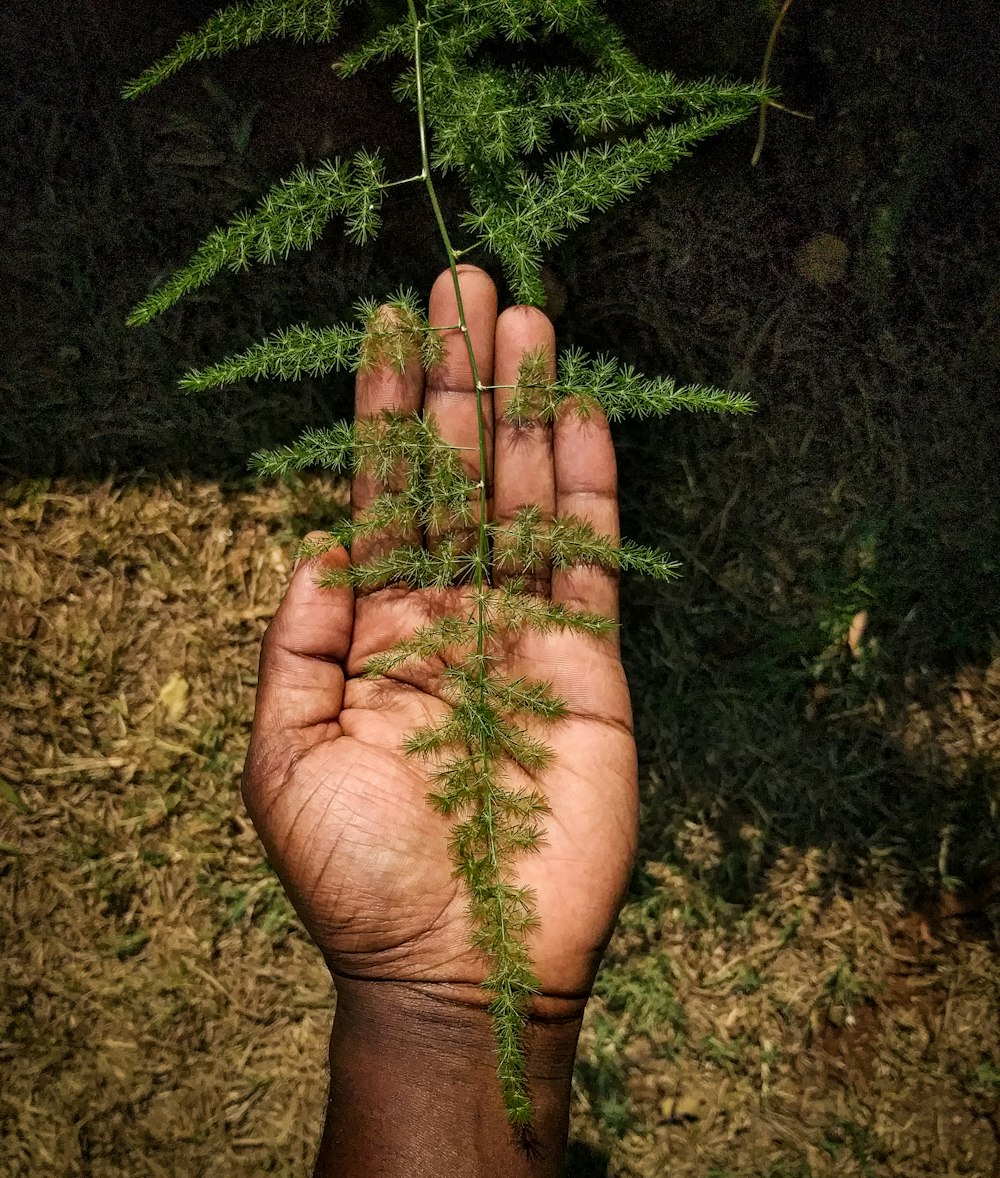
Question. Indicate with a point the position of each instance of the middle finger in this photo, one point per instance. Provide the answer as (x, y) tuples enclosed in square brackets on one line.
[(450, 396)]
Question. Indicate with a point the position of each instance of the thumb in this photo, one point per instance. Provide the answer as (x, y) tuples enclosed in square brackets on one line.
[(301, 680)]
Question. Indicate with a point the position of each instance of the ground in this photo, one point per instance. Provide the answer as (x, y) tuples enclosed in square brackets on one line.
[(165, 1013)]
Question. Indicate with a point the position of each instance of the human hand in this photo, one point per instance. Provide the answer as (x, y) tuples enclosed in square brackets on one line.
[(342, 810)]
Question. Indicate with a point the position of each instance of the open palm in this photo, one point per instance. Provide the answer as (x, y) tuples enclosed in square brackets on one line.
[(340, 807)]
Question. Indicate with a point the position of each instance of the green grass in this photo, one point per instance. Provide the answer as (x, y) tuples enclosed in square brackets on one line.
[(842, 988), (778, 1170), (641, 993), (985, 1081), (601, 1077), (861, 1144)]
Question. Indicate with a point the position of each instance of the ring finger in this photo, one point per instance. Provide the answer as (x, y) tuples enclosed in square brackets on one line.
[(524, 465)]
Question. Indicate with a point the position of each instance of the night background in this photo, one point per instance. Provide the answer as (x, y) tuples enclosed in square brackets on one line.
[(805, 979)]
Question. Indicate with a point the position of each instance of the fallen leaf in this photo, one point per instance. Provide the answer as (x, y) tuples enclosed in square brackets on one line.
[(174, 697), (857, 632)]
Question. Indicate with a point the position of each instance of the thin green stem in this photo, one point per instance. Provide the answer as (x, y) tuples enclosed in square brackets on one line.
[(469, 248), (408, 180), (482, 554), (762, 118)]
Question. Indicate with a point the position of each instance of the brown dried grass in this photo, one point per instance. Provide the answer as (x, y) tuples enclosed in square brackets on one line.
[(151, 1026), (164, 1013), (821, 1035)]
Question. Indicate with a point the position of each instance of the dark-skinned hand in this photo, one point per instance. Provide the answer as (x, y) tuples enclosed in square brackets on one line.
[(341, 810)]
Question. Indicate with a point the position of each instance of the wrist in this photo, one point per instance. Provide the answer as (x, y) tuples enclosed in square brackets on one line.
[(413, 1087)]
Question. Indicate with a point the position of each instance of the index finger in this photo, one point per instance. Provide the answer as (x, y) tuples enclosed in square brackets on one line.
[(377, 390)]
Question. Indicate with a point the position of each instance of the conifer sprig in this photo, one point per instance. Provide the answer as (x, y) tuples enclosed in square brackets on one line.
[(565, 541), (493, 126), (616, 388), (507, 113), (241, 25), (294, 352), (536, 211), (292, 216)]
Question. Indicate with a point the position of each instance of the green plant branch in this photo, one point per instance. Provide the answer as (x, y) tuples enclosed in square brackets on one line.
[(769, 101), (480, 118), (236, 27), (292, 216), (508, 1007)]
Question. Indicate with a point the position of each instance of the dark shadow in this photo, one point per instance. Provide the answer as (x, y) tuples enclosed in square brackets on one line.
[(852, 289), (110, 197), (582, 1161)]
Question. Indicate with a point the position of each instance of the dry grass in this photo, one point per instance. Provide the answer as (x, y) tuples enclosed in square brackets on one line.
[(814, 1036), (164, 1013)]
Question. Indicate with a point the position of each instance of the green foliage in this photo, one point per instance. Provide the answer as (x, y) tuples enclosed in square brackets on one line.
[(12, 797), (492, 126), (603, 1079), (131, 944), (292, 216), (985, 1081), (863, 1145), (535, 211), (795, 1169), (644, 989), (614, 388), (239, 25), (842, 988)]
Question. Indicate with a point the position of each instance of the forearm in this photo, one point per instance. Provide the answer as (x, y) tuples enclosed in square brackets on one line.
[(414, 1094)]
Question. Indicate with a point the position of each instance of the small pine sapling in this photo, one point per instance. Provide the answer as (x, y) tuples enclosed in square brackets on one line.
[(494, 127)]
